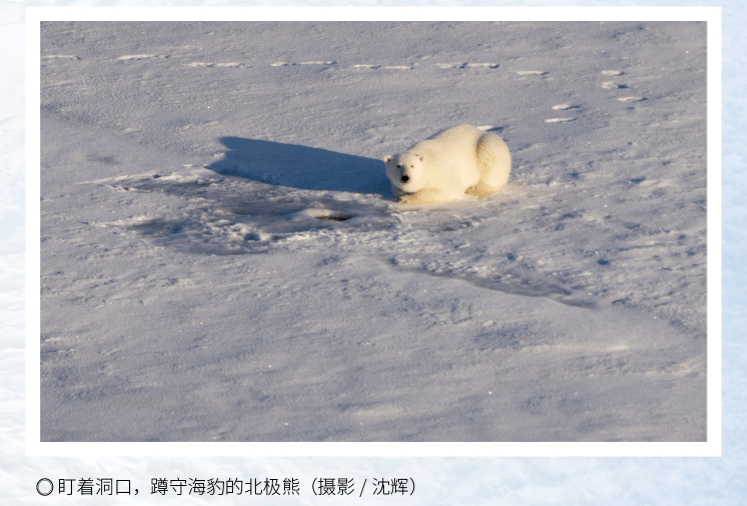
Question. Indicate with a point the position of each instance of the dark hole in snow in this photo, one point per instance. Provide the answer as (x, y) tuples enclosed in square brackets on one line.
[(339, 217)]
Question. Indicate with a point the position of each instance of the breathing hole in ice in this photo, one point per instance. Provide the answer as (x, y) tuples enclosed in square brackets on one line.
[(334, 217)]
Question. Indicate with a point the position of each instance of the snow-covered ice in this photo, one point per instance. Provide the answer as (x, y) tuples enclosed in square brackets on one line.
[(222, 259)]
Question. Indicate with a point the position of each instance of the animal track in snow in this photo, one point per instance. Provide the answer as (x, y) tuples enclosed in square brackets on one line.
[(561, 107), (392, 67), (408, 66), (211, 64), (61, 57), (465, 65), (611, 85), (290, 64), (564, 107), (138, 56), (559, 120)]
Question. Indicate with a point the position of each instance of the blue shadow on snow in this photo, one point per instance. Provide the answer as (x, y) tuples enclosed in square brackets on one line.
[(302, 167)]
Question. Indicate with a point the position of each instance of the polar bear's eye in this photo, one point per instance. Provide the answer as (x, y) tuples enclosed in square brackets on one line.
[(399, 166)]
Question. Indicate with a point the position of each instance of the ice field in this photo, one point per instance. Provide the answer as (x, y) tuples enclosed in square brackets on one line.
[(222, 259)]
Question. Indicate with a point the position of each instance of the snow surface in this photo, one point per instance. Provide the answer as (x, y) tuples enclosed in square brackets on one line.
[(222, 259)]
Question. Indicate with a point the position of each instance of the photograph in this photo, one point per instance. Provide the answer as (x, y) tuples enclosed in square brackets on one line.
[(373, 231)]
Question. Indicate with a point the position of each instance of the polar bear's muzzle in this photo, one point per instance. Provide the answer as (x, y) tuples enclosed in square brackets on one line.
[(405, 178)]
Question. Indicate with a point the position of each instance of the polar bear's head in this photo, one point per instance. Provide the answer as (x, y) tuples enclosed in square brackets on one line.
[(406, 171)]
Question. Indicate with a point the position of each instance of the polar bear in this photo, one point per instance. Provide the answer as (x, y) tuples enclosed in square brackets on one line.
[(460, 160)]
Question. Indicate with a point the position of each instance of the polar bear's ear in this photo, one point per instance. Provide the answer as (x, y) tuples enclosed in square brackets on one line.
[(387, 158)]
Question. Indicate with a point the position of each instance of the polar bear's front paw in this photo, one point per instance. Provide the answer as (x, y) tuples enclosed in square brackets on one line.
[(426, 196), (409, 199)]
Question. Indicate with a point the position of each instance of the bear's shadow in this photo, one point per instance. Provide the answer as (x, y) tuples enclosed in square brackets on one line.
[(302, 167)]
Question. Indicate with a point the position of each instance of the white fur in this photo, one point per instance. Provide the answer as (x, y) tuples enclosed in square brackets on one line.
[(460, 160)]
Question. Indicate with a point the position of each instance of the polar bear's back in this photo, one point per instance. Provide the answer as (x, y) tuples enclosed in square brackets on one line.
[(451, 155), (459, 139)]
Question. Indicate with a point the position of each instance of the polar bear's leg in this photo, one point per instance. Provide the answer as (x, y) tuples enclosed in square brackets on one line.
[(480, 190), (494, 162), (425, 196)]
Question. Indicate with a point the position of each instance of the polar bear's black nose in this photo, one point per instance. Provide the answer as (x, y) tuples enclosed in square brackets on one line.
[(405, 179)]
